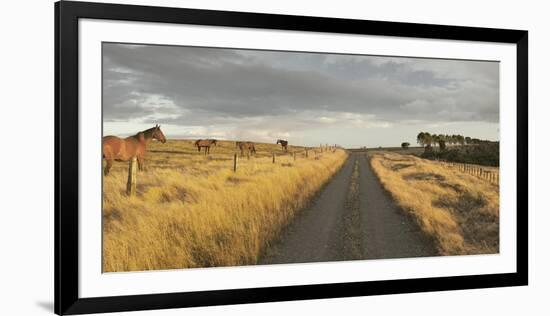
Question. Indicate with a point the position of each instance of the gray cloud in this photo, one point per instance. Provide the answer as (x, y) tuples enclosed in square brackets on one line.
[(286, 92)]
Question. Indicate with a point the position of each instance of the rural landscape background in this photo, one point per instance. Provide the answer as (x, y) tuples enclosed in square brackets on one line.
[(387, 157)]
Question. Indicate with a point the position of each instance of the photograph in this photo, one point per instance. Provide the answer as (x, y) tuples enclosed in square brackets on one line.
[(224, 157)]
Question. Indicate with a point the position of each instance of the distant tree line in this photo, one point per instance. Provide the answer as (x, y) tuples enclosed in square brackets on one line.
[(484, 153), (426, 139)]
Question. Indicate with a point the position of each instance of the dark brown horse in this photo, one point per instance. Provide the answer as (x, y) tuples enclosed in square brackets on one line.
[(206, 143), (283, 143), (248, 146), (124, 149)]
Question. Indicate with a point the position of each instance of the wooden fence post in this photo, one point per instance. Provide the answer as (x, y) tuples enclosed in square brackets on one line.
[(234, 162), (132, 172), (306, 153), (273, 154), (294, 154)]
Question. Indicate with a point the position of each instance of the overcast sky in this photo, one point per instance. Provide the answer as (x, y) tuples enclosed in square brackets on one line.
[(307, 98)]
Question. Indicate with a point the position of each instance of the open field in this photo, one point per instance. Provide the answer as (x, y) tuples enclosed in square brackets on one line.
[(460, 211), (192, 210), (412, 150)]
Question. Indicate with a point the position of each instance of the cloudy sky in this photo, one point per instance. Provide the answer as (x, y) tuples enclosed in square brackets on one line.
[(307, 98)]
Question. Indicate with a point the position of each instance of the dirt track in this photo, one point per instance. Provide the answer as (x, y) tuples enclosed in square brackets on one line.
[(351, 218)]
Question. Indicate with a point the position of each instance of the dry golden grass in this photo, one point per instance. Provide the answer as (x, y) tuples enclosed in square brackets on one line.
[(459, 210), (192, 210)]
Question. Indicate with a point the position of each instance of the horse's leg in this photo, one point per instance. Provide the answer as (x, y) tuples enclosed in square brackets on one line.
[(141, 167), (108, 164)]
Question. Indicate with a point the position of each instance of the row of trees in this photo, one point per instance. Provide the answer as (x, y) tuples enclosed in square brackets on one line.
[(426, 139)]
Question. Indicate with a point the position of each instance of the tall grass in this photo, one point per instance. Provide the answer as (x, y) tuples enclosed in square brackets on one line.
[(192, 210), (459, 210)]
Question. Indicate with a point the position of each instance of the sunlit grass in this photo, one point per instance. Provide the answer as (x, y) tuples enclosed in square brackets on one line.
[(459, 210), (192, 210)]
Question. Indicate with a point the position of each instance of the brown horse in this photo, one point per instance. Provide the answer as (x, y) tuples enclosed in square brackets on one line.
[(249, 146), (206, 143), (283, 143), (119, 149)]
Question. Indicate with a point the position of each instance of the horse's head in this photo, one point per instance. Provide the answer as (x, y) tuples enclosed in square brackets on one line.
[(278, 142), (215, 142), (158, 134)]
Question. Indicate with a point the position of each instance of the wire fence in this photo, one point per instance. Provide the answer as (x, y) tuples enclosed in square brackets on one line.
[(302, 153), (486, 173)]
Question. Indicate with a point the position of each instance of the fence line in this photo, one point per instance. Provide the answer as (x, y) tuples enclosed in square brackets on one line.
[(474, 170), (294, 154), (133, 164)]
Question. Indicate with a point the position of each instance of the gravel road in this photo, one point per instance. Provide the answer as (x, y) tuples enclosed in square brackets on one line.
[(352, 218)]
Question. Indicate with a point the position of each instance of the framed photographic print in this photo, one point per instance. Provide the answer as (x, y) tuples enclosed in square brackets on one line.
[(208, 157)]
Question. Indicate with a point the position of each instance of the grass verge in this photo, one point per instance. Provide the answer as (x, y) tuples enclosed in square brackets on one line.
[(459, 210)]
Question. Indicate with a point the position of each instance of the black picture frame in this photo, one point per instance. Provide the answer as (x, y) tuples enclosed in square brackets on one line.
[(67, 15)]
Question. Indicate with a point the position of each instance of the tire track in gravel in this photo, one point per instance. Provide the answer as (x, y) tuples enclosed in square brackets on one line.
[(351, 218)]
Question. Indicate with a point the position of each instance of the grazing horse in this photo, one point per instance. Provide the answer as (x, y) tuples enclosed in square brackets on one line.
[(206, 143), (249, 146), (283, 143), (124, 149)]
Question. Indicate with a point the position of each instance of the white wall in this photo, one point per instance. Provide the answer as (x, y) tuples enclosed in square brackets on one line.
[(26, 122)]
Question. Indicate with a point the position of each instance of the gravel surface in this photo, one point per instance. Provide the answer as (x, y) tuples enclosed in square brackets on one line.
[(351, 218)]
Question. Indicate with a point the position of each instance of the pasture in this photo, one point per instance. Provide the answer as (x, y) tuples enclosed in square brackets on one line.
[(193, 210), (458, 209)]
